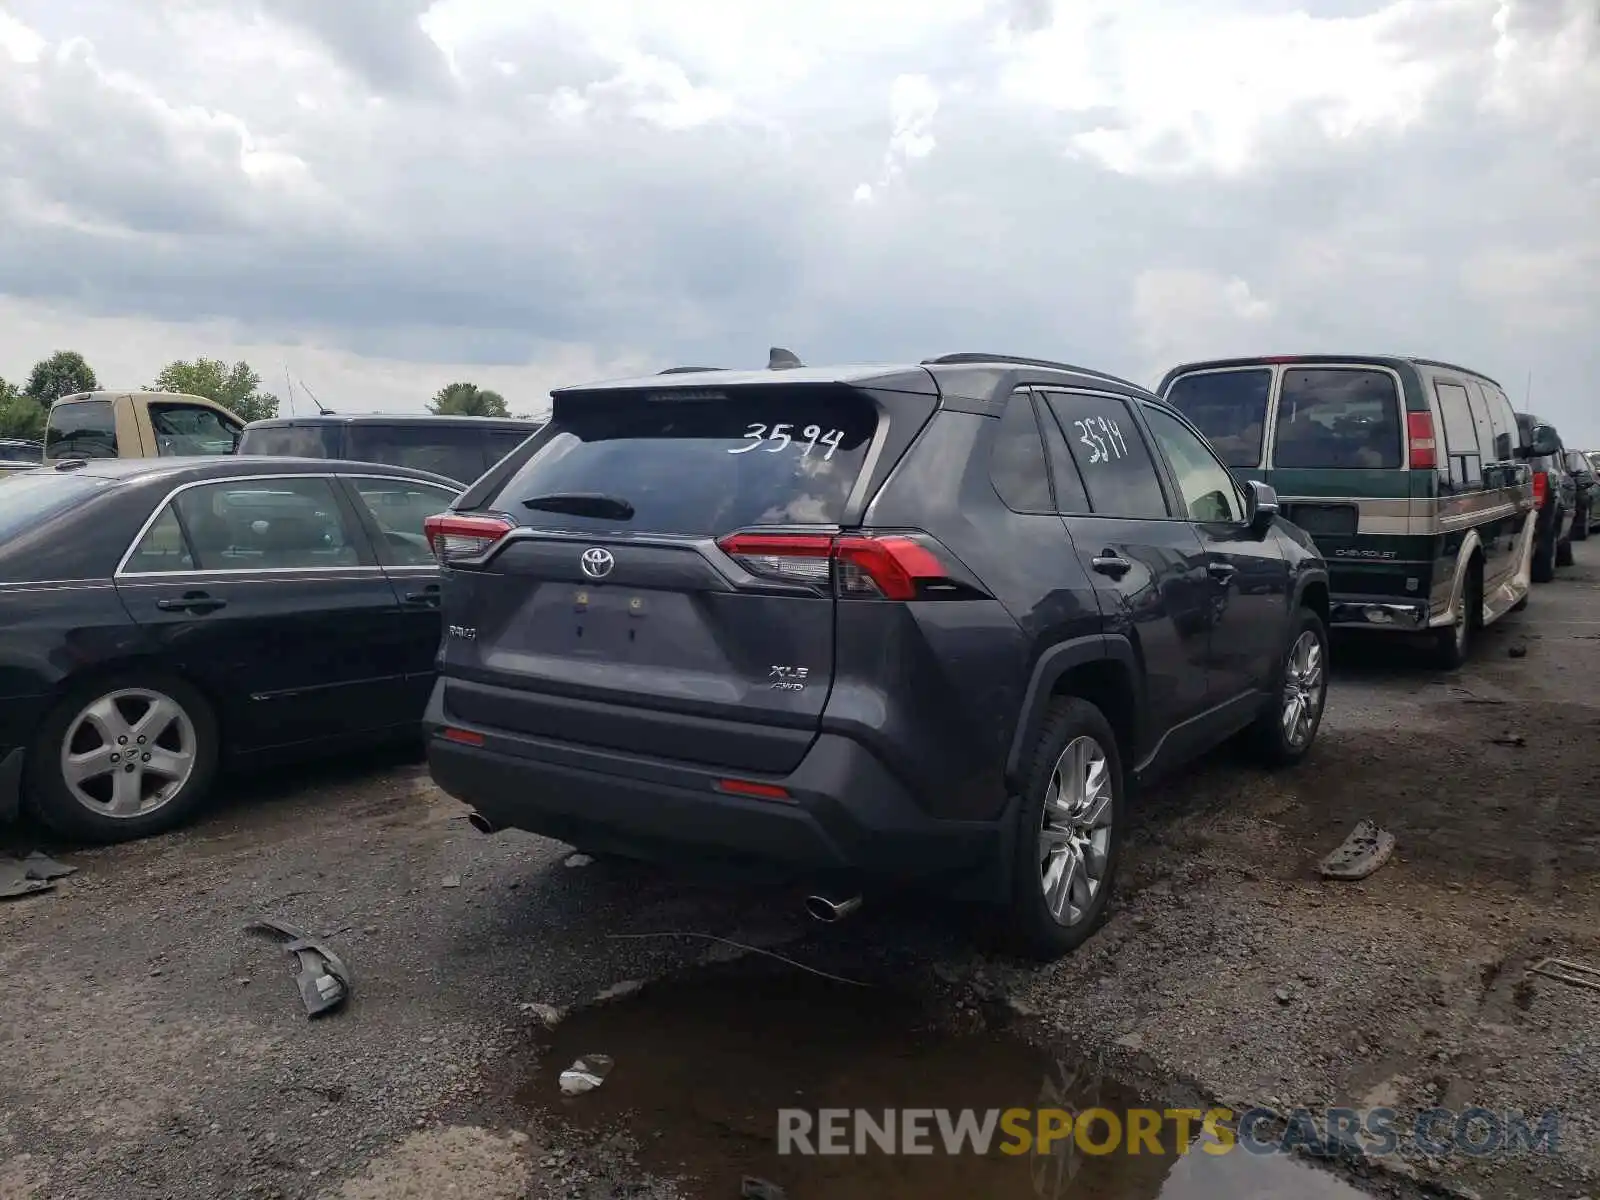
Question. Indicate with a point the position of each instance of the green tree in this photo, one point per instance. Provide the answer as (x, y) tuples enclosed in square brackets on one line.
[(64, 373), (236, 388), (467, 400), (20, 416)]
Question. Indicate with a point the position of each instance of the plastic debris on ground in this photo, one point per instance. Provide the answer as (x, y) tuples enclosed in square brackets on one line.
[(31, 875), (588, 1073), (579, 860), (1359, 855), (751, 1188), (323, 979)]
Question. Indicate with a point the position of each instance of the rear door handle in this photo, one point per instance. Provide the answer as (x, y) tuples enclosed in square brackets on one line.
[(1222, 572), (1109, 562), (428, 596), (198, 603)]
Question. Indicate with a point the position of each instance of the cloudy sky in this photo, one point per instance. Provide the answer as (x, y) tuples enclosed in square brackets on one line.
[(383, 195)]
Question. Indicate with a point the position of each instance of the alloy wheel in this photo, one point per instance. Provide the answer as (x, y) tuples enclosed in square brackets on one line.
[(1075, 831), (128, 753), (1302, 689)]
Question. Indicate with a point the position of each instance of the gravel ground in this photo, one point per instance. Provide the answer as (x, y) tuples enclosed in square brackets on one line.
[(154, 1050)]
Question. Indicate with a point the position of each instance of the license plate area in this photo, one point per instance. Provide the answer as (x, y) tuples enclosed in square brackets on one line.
[(1325, 520)]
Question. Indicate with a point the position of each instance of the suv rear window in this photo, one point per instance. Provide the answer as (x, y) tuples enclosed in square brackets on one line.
[(1337, 418), (1229, 407), (453, 451), (770, 456)]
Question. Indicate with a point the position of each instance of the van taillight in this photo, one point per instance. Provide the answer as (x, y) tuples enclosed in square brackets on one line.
[(1419, 432), (1541, 488), (452, 536), (887, 567)]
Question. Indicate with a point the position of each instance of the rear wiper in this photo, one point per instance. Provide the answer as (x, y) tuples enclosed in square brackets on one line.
[(583, 504)]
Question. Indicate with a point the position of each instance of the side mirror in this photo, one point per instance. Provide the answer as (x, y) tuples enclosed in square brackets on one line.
[(1544, 441), (1261, 505)]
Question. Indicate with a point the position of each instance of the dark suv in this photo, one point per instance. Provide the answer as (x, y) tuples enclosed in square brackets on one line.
[(923, 623), (1554, 495)]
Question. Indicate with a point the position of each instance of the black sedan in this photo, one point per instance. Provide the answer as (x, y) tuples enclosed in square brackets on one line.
[(162, 618)]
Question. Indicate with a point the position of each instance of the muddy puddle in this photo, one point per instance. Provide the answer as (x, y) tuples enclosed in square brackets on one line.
[(704, 1069)]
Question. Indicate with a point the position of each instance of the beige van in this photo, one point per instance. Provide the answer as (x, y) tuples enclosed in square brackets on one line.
[(138, 425)]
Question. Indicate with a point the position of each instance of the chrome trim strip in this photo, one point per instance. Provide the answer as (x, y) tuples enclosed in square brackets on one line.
[(155, 514)]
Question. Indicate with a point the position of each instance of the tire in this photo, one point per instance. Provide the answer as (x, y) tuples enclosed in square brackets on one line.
[(1544, 559), (1564, 552), (1580, 526), (1076, 742), (86, 719), (1305, 667), (1453, 644), (1519, 605)]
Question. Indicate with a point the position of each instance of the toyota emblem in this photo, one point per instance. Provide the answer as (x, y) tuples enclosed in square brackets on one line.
[(597, 562)]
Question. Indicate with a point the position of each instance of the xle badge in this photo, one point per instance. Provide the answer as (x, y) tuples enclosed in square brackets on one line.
[(789, 679)]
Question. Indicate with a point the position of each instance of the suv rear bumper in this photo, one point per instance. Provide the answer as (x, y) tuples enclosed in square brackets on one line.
[(844, 814), (1378, 612)]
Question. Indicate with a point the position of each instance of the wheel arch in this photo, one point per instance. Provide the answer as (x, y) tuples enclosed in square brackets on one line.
[(133, 663), (1102, 669)]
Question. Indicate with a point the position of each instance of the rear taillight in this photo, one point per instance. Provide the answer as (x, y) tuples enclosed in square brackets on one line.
[(1424, 450), (885, 567), (453, 536), (1541, 488)]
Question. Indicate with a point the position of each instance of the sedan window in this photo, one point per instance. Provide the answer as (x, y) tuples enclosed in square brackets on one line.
[(163, 547), (399, 508), (267, 525)]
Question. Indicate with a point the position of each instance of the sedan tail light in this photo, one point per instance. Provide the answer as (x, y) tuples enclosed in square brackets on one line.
[(454, 536)]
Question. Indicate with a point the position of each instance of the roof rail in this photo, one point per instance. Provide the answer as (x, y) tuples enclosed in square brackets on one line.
[(688, 370), (966, 357)]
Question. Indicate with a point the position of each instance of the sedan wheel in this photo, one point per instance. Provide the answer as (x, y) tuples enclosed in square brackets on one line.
[(128, 753), (122, 757)]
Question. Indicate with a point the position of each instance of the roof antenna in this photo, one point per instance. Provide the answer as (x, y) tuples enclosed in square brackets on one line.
[(326, 412), (779, 359), (289, 383)]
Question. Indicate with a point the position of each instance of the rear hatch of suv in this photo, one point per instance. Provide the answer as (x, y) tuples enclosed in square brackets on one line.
[(1331, 438), (656, 571)]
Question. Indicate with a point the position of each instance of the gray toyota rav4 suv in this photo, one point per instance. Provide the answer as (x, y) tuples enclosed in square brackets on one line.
[(927, 623)]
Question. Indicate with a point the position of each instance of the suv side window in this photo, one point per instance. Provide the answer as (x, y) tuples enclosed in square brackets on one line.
[(398, 508), (186, 429), (1460, 434), (85, 429), (1116, 466), (1207, 487), (1016, 459)]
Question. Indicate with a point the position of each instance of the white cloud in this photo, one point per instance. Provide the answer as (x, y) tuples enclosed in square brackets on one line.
[(523, 192), (1181, 314)]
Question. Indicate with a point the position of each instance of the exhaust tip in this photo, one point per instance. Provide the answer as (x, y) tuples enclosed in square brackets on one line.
[(820, 908), (481, 823)]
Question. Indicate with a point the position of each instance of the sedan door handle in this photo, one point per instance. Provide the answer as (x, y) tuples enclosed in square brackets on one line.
[(1109, 562), (1221, 571), (198, 603)]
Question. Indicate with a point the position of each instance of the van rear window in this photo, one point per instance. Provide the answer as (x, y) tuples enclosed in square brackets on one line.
[(1338, 418), (456, 452), (770, 456), (1229, 407), (291, 441)]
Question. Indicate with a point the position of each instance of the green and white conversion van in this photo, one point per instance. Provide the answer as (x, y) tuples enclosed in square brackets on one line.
[(1409, 475)]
